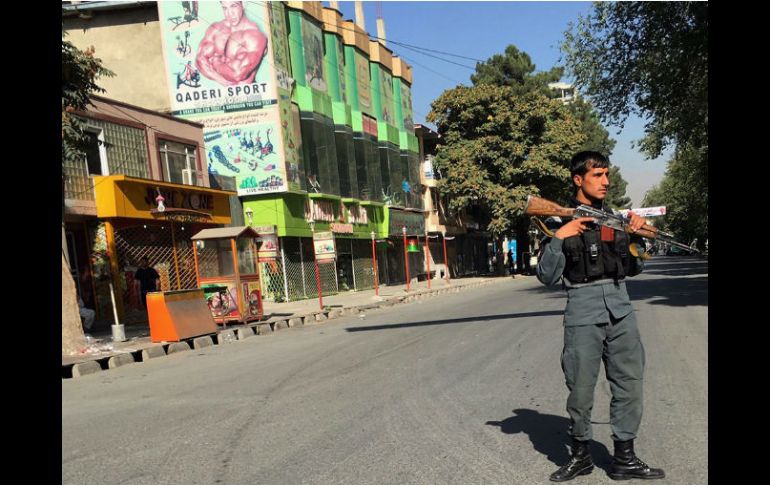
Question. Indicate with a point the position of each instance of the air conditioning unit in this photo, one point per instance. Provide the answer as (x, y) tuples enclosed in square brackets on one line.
[(188, 176)]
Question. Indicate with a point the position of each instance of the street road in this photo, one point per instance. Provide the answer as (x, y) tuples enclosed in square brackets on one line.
[(456, 389)]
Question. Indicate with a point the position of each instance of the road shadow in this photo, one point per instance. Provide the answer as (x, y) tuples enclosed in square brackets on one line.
[(670, 291), (548, 434), (481, 318)]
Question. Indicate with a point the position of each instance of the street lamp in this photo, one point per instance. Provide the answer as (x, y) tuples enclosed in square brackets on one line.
[(249, 214)]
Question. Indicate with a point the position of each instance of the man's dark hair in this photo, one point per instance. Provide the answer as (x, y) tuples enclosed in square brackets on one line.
[(583, 161)]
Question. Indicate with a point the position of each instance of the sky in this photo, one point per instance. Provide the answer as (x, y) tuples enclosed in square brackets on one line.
[(479, 30)]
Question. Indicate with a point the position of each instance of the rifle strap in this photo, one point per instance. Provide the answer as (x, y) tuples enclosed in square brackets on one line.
[(542, 227)]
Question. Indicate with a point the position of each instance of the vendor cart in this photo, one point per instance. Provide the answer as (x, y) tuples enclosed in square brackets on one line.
[(226, 269)]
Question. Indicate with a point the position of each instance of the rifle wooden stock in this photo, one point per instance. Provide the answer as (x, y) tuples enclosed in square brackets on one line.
[(537, 206)]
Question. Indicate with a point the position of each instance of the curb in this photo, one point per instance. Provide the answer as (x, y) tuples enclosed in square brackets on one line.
[(176, 347), (232, 335), (153, 352)]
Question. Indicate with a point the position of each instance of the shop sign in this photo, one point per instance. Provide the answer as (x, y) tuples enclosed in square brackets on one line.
[(342, 228), (325, 251), (267, 245), (180, 199)]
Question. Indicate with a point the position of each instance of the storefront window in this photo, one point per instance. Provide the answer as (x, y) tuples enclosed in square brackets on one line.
[(410, 167), (246, 257), (215, 258), (390, 170), (367, 167), (318, 146), (340, 138), (178, 161)]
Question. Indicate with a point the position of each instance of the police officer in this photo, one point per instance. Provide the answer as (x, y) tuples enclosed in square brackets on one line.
[(599, 324)]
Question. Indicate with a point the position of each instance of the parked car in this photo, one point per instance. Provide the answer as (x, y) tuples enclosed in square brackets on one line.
[(674, 251)]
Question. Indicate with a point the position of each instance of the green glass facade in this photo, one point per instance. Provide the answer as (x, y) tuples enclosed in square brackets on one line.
[(355, 139)]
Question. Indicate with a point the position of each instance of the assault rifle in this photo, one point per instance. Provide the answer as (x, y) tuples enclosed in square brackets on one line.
[(537, 206)]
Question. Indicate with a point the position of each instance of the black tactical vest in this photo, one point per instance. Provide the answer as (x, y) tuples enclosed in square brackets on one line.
[(589, 258)]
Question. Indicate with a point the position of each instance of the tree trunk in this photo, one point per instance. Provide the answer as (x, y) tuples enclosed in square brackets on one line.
[(72, 337)]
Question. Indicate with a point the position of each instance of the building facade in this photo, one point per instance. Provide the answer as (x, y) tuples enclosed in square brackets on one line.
[(315, 124), (111, 215)]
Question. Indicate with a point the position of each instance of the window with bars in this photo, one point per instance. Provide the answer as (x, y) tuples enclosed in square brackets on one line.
[(78, 183), (178, 162)]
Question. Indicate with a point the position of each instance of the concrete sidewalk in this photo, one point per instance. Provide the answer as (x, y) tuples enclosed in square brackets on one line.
[(102, 353)]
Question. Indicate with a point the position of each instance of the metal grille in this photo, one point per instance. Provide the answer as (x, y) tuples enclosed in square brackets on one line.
[(155, 243), (353, 270), (299, 273), (328, 272), (362, 264), (272, 281)]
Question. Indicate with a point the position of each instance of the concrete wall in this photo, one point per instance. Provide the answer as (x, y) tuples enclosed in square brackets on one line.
[(128, 43)]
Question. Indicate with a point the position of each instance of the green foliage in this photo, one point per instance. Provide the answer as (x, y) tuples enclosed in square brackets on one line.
[(515, 69), (498, 147), (79, 72), (684, 192), (616, 194), (649, 58), (597, 137)]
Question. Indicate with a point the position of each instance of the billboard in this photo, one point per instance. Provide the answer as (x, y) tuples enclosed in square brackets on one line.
[(219, 60), (364, 83), (313, 47), (406, 107), (223, 71), (386, 97), (248, 147)]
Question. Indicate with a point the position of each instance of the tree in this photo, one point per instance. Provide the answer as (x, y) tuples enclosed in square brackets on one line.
[(684, 192), (515, 69), (648, 58), (498, 147), (80, 70), (616, 194), (597, 137)]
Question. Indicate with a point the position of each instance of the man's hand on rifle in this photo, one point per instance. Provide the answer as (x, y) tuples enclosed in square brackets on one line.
[(574, 227), (636, 222)]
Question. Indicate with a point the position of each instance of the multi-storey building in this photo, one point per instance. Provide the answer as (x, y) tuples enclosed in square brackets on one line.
[(311, 118)]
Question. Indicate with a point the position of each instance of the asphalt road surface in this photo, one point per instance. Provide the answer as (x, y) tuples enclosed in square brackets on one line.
[(456, 389)]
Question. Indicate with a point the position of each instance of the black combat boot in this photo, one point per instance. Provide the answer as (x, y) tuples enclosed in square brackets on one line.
[(579, 463), (626, 465)]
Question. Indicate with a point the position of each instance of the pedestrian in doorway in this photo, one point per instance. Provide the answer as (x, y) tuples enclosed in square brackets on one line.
[(599, 324), (511, 263), (146, 280)]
